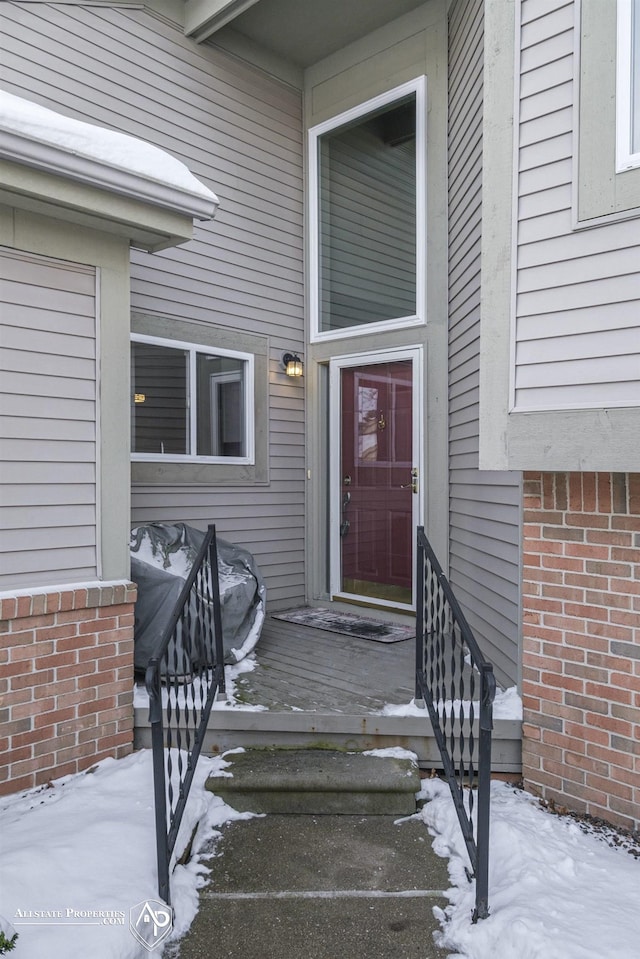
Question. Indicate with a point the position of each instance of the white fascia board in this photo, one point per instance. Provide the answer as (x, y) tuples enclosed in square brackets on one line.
[(35, 136), (202, 18), (52, 158)]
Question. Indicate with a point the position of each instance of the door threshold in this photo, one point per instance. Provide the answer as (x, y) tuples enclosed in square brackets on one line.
[(366, 604)]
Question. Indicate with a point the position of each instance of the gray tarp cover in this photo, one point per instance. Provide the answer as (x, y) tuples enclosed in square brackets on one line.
[(162, 555)]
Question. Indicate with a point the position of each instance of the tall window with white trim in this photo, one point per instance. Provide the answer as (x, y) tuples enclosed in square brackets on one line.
[(189, 403), (628, 86), (367, 215)]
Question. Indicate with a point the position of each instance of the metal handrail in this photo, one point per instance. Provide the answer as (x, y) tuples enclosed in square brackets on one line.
[(182, 680), (450, 669)]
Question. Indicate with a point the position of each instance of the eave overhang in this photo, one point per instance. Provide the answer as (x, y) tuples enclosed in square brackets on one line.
[(203, 18), (81, 173)]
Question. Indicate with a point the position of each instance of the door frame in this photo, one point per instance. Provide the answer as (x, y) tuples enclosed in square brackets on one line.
[(336, 365)]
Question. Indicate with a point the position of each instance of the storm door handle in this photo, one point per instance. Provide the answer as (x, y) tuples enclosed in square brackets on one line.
[(413, 485)]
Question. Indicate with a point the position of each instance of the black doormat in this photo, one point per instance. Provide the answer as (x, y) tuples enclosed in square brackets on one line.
[(347, 623)]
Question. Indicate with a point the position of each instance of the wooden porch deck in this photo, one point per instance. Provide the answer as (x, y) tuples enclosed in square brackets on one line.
[(302, 668), (318, 688)]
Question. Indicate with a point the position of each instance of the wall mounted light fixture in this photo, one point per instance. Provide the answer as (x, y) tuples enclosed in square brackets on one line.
[(292, 364)]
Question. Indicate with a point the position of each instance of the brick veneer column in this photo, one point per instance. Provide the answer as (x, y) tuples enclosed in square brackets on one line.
[(581, 642), (66, 682)]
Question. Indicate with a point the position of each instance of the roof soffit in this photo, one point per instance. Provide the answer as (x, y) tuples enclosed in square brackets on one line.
[(301, 32)]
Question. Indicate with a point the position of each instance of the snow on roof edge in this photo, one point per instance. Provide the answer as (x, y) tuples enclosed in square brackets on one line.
[(39, 137)]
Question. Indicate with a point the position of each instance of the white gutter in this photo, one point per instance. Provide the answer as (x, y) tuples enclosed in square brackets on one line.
[(40, 138)]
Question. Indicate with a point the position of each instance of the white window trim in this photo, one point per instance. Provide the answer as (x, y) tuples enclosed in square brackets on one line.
[(193, 349), (419, 87), (625, 159)]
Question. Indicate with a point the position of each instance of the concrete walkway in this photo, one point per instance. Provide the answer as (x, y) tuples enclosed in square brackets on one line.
[(319, 887)]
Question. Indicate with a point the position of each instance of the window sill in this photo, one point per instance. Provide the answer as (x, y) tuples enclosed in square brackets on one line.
[(163, 473), (367, 329), (187, 460)]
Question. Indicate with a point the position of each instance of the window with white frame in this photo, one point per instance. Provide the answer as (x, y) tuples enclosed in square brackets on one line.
[(607, 159), (190, 403), (367, 217), (628, 86)]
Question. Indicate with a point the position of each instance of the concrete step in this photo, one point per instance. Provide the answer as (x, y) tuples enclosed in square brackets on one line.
[(318, 782), (319, 887)]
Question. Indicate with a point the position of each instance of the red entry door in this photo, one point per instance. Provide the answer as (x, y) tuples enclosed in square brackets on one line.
[(377, 482)]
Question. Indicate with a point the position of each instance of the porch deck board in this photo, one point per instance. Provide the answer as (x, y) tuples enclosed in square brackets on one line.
[(325, 688), (338, 668), (320, 671)]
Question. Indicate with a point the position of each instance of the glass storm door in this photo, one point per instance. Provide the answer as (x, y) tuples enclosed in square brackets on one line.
[(378, 481)]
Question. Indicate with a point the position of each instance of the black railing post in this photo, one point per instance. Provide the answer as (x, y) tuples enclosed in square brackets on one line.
[(217, 609), (154, 690), (447, 644), (190, 656), (487, 694)]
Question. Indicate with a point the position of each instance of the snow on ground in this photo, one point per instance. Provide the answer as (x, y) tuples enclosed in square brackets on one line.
[(86, 844), (79, 853), (555, 891)]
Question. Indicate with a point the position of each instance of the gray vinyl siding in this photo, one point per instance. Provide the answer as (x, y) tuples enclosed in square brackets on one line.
[(578, 292), (48, 417), (240, 132), (484, 507)]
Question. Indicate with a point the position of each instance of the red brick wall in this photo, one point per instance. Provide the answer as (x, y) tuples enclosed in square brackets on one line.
[(581, 642), (66, 682)]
